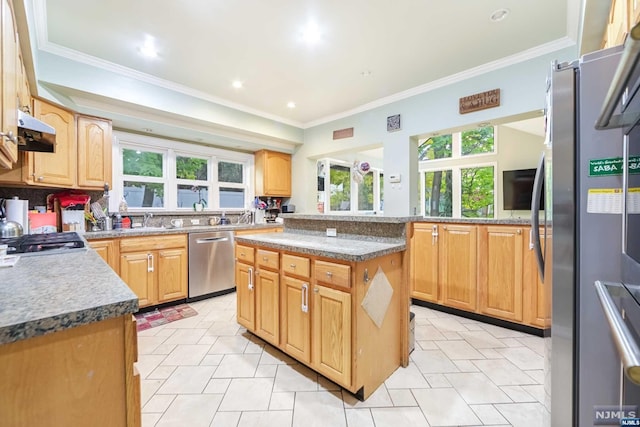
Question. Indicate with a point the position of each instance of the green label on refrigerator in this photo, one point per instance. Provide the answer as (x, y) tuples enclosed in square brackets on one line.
[(613, 166)]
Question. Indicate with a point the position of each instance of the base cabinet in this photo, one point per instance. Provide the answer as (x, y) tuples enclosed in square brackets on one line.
[(485, 269), (109, 250), (155, 268), (315, 303), (83, 376)]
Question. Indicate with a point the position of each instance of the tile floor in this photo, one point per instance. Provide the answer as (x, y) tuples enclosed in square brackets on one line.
[(208, 371)]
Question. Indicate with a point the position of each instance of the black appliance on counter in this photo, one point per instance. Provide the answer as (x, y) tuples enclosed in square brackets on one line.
[(44, 244)]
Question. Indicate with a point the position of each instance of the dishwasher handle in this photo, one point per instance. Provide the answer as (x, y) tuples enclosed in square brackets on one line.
[(212, 239)]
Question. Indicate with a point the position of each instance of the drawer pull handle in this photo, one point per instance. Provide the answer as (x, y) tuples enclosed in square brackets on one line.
[(305, 298), (292, 265), (264, 258)]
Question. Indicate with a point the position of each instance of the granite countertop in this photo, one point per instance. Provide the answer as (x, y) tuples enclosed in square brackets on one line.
[(485, 221), (353, 218), (48, 293), (142, 231), (350, 249)]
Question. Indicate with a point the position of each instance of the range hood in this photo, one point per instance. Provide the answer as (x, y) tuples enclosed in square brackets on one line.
[(35, 135)]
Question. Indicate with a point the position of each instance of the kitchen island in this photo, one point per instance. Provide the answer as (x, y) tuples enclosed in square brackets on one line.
[(67, 343), (336, 304)]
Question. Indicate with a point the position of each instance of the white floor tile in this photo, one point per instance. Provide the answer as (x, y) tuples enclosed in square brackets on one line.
[(295, 378), (161, 373), (158, 403), (237, 366), (150, 420), (185, 336), (147, 344), (488, 414), (217, 385), (147, 363), (476, 388), (266, 419), (481, 339), (378, 399), (459, 350), (523, 357), (503, 372), (148, 388), (187, 380), (282, 401), (445, 407), (319, 409), (229, 345), (409, 377), (522, 414), (359, 418), (394, 417), (226, 419), (517, 393), (432, 362), (196, 410), (248, 394), (186, 354), (448, 324), (437, 380), (402, 397)]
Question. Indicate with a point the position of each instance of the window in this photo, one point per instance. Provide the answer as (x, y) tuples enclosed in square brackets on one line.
[(176, 175), (476, 193), (340, 186), (452, 182), (231, 181), (143, 178), (437, 193)]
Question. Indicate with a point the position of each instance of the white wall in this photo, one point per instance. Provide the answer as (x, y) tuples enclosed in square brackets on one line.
[(522, 89)]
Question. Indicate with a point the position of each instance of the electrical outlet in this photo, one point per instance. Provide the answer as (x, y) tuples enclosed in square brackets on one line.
[(195, 222), (331, 232)]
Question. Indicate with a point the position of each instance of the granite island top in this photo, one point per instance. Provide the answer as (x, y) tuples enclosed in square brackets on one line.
[(350, 249), (48, 293)]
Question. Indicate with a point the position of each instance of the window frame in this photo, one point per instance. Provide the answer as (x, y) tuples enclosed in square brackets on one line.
[(170, 150), (354, 189)]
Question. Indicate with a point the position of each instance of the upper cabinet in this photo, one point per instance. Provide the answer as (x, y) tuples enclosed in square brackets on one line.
[(273, 174), (94, 152), (623, 15), (9, 72), (82, 157)]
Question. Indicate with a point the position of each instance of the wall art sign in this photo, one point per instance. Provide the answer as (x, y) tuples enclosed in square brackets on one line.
[(393, 123), (343, 133), (480, 101)]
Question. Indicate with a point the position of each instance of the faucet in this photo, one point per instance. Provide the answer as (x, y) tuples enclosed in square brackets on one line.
[(145, 220)]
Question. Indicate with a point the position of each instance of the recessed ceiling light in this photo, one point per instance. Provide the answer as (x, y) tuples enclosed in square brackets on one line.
[(499, 15), (149, 49), (237, 84), (311, 33), (291, 104)]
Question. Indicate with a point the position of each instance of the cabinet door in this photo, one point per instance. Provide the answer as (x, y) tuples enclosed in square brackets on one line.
[(171, 265), (537, 296), (59, 168), (8, 68), (136, 270), (500, 272), (267, 291), (458, 266), (94, 152), (424, 262), (296, 324), (108, 250), (245, 296), (273, 173), (331, 341)]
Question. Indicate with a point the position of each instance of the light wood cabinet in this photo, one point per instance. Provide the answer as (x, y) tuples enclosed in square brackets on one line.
[(94, 152), (459, 265), (500, 272), (321, 315), (9, 90), (109, 250), (537, 301), (267, 296), (425, 254), (155, 268), (272, 173), (246, 303), (331, 339), (78, 376)]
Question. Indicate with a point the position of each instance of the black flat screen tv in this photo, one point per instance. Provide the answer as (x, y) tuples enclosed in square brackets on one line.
[(517, 189)]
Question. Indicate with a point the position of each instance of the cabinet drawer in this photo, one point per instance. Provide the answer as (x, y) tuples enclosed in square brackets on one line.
[(244, 254), (296, 265), (268, 259), (334, 274), (134, 244)]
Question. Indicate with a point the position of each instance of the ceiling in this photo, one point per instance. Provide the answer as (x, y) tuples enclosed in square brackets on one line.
[(370, 52)]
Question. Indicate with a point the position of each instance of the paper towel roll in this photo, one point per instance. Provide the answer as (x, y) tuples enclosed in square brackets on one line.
[(18, 211)]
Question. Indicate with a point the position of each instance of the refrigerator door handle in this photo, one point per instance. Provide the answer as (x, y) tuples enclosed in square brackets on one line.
[(535, 216)]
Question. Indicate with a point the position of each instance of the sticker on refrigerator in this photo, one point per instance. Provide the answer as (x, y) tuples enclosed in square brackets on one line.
[(612, 166), (609, 201)]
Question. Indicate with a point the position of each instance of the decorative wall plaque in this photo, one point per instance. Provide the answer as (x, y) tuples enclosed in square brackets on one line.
[(480, 101), (393, 123), (343, 133)]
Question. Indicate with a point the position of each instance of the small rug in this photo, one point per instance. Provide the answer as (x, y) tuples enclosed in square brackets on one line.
[(163, 316)]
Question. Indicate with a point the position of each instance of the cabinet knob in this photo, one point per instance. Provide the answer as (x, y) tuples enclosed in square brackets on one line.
[(316, 290), (292, 265), (264, 258), (41, 178), (518, 231), (329, 274)]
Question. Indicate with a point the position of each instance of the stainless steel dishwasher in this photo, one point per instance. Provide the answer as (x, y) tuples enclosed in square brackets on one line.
[(211, 264)]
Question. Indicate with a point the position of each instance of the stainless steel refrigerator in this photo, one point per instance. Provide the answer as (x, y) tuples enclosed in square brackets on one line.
[(582, 231)]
